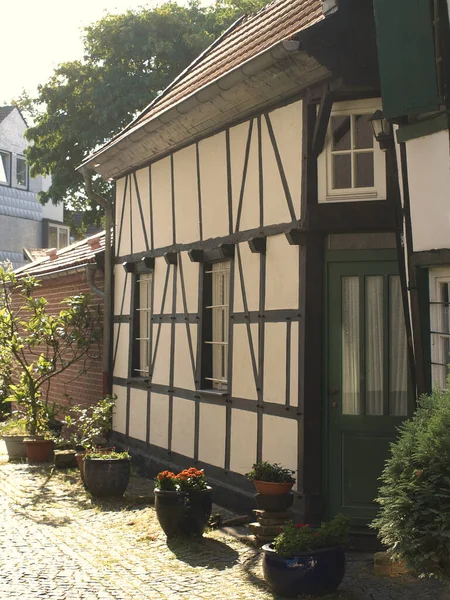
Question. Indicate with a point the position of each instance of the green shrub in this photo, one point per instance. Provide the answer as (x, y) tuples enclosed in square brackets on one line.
[(296, 539), (414, 519)]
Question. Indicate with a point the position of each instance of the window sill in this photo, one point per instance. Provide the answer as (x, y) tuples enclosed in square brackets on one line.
[(358, 197), (215, 393)]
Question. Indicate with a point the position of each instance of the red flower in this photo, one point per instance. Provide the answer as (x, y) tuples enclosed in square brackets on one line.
[(419, 473), (300, 525)]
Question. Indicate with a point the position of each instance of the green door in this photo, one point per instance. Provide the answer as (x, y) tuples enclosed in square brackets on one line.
[(367, 396)]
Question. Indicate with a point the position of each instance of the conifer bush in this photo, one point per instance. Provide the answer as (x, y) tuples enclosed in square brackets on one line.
[(414, 519)]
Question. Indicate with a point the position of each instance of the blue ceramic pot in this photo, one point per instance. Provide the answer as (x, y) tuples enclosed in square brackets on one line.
[(316, 573)]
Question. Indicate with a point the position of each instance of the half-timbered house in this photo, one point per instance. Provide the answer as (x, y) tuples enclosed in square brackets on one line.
[(258, 296)]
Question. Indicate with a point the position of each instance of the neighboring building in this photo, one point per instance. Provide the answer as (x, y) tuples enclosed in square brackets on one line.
[(260, 290), (414, 50), (24, 222), (73, 270)]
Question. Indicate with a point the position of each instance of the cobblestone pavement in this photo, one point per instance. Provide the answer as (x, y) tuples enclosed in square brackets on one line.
[(56, 543)]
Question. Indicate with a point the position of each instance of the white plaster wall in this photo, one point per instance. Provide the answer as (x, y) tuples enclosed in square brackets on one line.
[(213, 178), (190, 277), (212, 435), (186, 196), (287, 123), (49, 210), (280, 441), (122, 282), (251, 275), (429, 188), (243, 440), (121, 342), (138, 415), (243, 381), (161, 371), (282, 274), (183, 427), (183, 375), (159, 420), (125, 220), (120, 409), (120, 188), (139, 224), (159, 278), (161, 179), (275, 363), (250, 189)]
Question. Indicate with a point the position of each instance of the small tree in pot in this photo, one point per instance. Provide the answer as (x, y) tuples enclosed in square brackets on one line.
[(42, 345)]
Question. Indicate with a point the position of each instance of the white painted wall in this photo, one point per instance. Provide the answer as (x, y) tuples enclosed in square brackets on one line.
[(429, 188), (138, 415)]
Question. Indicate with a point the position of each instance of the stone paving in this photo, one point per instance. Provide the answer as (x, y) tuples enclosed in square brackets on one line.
[(56, 543)]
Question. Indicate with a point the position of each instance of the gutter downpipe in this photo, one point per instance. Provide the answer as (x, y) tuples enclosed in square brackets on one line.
[(107, 323)]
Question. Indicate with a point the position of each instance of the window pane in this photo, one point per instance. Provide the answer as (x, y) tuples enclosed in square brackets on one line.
[(374, 345), (63, 238), (4, 168), (21, 172), (52, 237), (341, 133), (144, 318), (342, 171), (351, 399), (363, 132), (398, 372), (364, 170), (220, 319)]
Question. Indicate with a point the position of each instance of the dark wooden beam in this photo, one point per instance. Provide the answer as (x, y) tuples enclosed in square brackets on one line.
[(352, 217), (431, 258), (321, 126)]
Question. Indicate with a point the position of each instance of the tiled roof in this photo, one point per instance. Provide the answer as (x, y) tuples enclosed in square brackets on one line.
[(77, 255), (277, 21), (4, 111)]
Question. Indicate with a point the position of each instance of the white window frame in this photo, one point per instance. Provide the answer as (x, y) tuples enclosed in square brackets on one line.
[(142, 335), (8, 170), (439, 336), (59, 230), (220, 319), (17, 184), (325, 173)]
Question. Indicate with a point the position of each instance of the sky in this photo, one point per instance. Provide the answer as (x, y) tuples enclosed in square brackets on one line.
[(40, 34)]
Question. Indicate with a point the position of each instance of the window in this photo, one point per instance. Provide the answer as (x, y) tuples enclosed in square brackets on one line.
[(440, 326), (58, 236), (142, 324), (5, 168), (352, 167), (21, 172), (216, 325)]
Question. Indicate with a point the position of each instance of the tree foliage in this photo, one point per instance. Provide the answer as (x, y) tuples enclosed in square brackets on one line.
[(414, 519), (128, 59)]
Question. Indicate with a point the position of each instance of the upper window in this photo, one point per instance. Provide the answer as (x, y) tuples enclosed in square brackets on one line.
[(5, 168), (216, 325), (142, 323), (58, 236), (352, 167), (440, 326), (21, 172)]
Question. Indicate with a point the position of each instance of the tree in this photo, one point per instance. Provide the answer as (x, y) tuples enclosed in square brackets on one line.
[(128, 59), (41, 345)]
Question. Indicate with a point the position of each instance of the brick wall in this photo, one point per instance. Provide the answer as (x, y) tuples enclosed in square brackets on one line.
[(73, 386)]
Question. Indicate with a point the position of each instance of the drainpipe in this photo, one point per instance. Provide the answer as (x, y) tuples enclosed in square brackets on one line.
[(107, 325), (90, 275)]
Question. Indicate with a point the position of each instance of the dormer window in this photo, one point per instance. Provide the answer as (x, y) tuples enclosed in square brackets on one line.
[(5, 168), (21, 172), (352, 166)]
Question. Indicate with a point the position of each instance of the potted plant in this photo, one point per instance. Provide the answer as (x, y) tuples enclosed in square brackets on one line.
[(41, 345), (303, 560), (183, 502), (107, 474), (13, 432), (271, 479), (88, 427)]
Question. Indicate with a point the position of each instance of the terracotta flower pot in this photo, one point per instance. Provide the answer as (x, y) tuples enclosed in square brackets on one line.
[(38, 451), (270, 488)]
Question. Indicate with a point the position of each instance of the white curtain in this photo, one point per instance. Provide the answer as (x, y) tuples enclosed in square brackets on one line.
[(398, 378), (145, 316), (351, 401), (374, 345)]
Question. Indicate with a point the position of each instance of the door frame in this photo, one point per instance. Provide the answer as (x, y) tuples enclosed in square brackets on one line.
[(336, 256)]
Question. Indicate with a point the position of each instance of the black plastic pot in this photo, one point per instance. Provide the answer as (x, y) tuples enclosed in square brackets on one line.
[(183, 513), (274, 503), (169, 510), (107, 477), (315, 573)]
